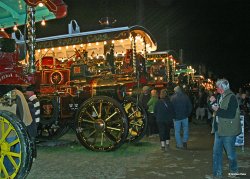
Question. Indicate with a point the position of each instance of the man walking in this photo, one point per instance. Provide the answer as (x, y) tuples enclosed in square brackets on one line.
[(183, 108)]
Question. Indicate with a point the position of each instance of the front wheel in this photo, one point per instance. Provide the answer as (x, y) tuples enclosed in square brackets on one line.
[(101, 124), (15, 147)]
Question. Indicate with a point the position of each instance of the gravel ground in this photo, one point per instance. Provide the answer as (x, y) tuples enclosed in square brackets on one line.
[(67, 159)]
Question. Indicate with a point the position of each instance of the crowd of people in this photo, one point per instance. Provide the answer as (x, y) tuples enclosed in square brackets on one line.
[(221, 108), (164, 112)]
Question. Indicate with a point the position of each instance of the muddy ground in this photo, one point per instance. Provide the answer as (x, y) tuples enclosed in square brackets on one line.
[(67, 159)]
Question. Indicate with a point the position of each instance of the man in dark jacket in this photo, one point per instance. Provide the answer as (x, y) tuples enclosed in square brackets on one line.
[(183, 108), (226, 126)]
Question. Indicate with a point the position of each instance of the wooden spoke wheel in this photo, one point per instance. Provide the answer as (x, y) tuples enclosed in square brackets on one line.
[(49, 110), (137, 117), (15, 147), (101, 124), (52, 131), (50, 127)]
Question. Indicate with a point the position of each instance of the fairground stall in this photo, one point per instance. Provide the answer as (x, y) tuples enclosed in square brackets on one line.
[(16, 146)]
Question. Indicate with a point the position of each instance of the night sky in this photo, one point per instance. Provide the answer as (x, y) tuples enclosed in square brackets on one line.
[(213, 33)]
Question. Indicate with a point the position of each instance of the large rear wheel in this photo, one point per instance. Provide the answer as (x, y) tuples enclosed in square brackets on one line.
[(15, 147), (101, 124)]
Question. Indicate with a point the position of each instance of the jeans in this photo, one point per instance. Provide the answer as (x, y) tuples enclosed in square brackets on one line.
[(177, 128), (229, 145)]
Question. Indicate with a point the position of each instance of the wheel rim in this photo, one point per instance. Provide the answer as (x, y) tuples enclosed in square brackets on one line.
[(48, 132), (137, 119), (101, 124), (10, 150)]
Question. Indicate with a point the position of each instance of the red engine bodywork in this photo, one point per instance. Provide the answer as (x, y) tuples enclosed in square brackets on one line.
[(11, 71)]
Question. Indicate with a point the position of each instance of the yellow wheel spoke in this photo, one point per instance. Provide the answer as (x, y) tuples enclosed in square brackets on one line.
[(14, 142), (135, 124), (95, 110), (13, 161), (2, 128), (91, 134), (14, 154), (3, 168), (90, 116), (102, 138), (131, 114), (111, 116), (5, 134), (115, 129), (100, 110), (85, 120)]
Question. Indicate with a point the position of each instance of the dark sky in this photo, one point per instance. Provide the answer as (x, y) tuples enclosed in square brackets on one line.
[(213, 33)]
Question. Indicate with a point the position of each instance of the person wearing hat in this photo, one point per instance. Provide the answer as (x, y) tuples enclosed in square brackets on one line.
[(145, 96), (183, 108)]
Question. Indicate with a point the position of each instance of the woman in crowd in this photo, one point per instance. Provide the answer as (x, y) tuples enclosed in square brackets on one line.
[(164, 113)]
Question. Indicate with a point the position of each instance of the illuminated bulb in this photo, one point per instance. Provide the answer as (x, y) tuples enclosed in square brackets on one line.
[(121, 40), (97, 43), (67, 47), (15, 27), (52, 49), (81, 45), (74, 46), (43, 23), (2, 29), (105, 42), (40, 4), (59, 48), (113, 41), (39, 50), (89, 44)]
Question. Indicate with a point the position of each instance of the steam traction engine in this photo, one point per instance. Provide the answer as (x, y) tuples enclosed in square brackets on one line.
[(85, 80)]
